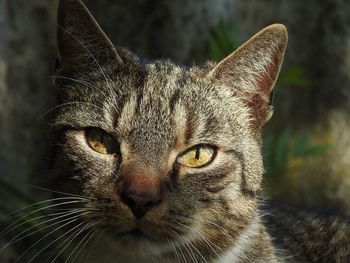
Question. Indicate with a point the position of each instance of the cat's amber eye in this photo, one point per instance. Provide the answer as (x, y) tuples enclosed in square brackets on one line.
[(101, 141), (197, 156)]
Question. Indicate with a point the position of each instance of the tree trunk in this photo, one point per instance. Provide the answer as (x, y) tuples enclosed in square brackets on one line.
[(26, 57)]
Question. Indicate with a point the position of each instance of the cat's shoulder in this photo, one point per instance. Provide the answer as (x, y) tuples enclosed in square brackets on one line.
[(307, 236)]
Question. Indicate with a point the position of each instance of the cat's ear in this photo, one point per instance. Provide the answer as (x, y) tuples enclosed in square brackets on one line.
[(81, 42), (253, 68)]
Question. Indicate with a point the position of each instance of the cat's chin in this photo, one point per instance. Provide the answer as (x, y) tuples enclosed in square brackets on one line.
[(140, 244), (136, 236)]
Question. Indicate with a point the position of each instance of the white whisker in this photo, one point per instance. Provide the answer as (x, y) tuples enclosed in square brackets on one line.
[(75, 200), (63, 193), (178, 245), (89, 52), (36, 218), (71, 238), (92, 247), (191, 244), (172, 245), (91, 233), (67, 104), (73, 79), (75, 218), (19, 237), (60, 237)]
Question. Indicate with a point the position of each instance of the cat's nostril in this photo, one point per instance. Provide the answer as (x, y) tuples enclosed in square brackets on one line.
[(128, 201), (150, 204), (140, 203)]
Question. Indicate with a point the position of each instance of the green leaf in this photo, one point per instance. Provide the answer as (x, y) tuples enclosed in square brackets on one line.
[(294, 76), (215, 52), (282, 149), (316, 149), (223, 41), (299, 144)]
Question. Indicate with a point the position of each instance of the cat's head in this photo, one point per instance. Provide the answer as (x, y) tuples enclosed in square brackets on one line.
[(164, 154)]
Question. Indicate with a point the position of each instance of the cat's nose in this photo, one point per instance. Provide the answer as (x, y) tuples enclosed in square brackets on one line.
[(141, 191), (140, 203)]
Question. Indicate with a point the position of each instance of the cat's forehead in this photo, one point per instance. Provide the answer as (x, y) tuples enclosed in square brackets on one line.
[(157, 109), (164, 85), (173, 106)]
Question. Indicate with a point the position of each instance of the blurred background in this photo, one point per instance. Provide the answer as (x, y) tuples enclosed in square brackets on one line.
[(307, 142)]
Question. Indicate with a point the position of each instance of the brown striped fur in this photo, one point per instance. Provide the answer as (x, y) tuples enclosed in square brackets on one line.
[(157, 110)]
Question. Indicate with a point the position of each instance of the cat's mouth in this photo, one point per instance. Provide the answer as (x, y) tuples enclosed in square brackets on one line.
[(136, 235), (141, 243)]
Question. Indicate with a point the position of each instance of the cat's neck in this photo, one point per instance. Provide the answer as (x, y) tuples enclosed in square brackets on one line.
[(253, 245)]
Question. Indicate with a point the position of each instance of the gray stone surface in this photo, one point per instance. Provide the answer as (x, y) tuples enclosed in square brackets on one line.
[(26, 53)]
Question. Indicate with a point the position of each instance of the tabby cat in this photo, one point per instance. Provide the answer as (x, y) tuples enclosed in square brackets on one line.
[(167, 159)]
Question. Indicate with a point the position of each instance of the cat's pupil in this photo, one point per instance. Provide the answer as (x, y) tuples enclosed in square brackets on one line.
[(198, 152)]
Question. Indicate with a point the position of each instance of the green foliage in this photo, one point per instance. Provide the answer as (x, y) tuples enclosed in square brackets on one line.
[(288, 151), (223, 41), (16, 196), (293, 77)]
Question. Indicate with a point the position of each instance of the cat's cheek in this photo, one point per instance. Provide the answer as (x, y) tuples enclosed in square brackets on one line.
[(93, 169)]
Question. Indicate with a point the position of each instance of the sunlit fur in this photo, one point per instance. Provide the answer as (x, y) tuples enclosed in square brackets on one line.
[(199, 202), (156, 111)]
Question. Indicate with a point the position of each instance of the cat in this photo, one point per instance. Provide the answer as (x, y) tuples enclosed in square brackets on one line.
[(164, 161)]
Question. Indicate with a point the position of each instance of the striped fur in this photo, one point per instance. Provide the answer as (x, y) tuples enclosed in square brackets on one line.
[(157, 110)]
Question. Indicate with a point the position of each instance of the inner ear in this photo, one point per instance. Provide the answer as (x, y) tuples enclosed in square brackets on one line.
[(261, 103), (252, 70), (266, 80)]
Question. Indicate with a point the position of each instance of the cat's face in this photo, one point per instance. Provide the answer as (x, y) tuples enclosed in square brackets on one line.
[(156, 125), (164, 155)]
